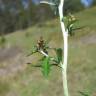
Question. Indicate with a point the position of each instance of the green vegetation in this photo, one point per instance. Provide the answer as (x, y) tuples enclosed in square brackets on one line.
[(4, 88), (81, 65)]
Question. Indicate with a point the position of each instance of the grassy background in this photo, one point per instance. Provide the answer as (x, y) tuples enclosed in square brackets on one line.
[(81, 64)]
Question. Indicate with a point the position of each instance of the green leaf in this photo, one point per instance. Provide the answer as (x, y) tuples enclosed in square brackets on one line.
[(83, 93), (70, 27), (46, 66), (34, 50), (59, 54)]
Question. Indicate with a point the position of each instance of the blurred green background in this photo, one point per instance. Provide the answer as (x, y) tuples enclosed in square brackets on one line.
[(20, 28)]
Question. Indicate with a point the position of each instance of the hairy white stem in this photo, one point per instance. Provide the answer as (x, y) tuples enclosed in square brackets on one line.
[(46, 55), (65, 38), (42, 52)]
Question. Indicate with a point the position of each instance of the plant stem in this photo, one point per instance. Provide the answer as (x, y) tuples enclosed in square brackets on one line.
[(46, 55), (65, 54), (42, 52)]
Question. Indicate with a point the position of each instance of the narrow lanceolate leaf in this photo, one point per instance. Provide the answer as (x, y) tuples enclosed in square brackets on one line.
[(59, 54), (34, 50), (46, 66)]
